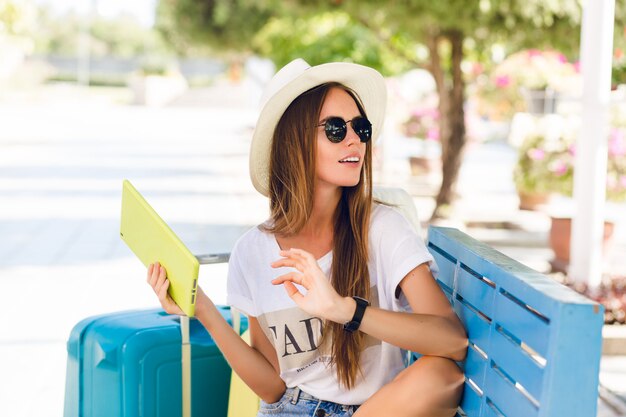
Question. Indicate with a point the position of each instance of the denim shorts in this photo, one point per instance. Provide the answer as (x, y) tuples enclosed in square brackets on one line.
[(296, 403)]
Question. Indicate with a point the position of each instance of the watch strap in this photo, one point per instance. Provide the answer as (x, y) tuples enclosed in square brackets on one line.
[(354, 324)]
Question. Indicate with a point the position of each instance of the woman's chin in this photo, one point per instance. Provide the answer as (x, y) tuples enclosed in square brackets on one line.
[(352, 183)]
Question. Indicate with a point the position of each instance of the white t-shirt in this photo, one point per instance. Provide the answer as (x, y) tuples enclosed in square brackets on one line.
[(394, 250)]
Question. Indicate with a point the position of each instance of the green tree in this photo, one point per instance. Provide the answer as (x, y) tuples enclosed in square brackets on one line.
[(325, 37), (445, 28), (196, 27), (17, 18), (122, 37)]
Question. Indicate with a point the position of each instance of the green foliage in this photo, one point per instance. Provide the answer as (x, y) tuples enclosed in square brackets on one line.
[(395, 30), (125, 37), (522, 76), (122, 37), (517, 24), (95, 80), (192, 26), (546, 164), (618, 74), (17, 18), (157, 65), (326, 37), (57, 36)]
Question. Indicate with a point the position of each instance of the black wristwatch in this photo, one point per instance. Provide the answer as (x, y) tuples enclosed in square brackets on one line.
[(353, 325)]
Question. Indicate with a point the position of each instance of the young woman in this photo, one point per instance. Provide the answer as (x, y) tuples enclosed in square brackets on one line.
[(357, 289)]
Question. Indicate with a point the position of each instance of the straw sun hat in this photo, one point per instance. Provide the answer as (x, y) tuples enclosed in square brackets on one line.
[(294, 79)]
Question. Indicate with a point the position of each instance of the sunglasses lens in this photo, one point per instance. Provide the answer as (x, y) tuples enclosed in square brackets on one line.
[(363, 128), (335, 129)]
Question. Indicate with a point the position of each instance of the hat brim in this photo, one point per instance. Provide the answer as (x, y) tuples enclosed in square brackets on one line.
[(368, 84)]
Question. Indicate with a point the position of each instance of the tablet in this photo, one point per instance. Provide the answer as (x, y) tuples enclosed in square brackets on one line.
[(152, 240)]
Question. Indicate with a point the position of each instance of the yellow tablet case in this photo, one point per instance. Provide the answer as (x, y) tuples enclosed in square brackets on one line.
[(152, 240)]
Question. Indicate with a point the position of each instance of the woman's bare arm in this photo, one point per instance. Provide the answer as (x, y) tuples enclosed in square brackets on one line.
[(431, 329), (250, 363)]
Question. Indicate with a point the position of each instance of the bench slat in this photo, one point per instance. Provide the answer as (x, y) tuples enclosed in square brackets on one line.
[(522, 324), (472, 401), (478, 293), (506, 397), (478, 328), (446, 291), (446, 268), (474, 367), (517, 363), (491, 412)]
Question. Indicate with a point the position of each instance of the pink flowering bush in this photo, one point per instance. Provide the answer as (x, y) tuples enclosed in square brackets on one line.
[(616, 172), (501, 92), (547, 165), (422, 123), (534, 69)]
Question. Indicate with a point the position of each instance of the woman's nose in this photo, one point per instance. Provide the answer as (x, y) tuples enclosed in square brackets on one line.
[(351, 136)]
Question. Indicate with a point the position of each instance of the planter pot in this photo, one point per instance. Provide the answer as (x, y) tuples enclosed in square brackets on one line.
[(541, 101), (422, 165), (560, 235), (532, 201)]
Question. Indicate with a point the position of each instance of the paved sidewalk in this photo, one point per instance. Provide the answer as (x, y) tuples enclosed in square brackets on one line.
[(61, 258)]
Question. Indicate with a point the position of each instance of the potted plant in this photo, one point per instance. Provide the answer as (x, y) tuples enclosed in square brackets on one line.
[(546, 165), (495, 97), (535, 77), (541, 169), (422, 124)]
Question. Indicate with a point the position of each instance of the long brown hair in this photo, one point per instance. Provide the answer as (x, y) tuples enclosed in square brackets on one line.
[(291, 190)]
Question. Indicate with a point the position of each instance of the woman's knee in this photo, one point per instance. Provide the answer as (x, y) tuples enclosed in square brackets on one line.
[(436, 384), (433, 369)]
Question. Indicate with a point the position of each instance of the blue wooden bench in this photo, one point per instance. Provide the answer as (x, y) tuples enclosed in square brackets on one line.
[(535, 344)]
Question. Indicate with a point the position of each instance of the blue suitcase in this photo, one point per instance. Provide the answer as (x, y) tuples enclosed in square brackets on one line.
[(129, 364)]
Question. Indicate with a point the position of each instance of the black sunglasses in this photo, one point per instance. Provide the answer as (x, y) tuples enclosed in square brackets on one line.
[(336, 128)]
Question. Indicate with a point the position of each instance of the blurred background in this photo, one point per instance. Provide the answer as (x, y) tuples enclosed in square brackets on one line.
[(483, 114)]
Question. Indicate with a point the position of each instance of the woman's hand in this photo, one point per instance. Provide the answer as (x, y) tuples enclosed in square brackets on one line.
[(157, 278), (321, 299)]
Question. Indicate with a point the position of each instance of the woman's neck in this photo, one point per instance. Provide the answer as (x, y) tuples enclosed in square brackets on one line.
[(325, 203), (316, 236)]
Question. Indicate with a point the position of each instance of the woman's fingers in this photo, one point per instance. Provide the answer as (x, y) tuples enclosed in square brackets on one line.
[(289, 277), (296, 258), (303, 256), (153, 274), (157, 278), (168, 304), (287, 262), (160, 280), (295, 253), (293, 292), (162, 291)]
